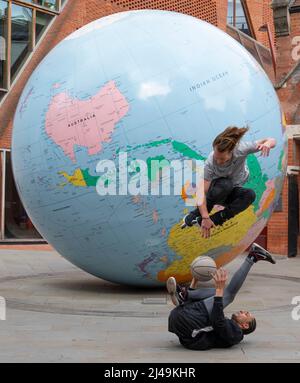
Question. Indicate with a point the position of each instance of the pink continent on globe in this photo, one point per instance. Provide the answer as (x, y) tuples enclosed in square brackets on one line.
[(88, 123)]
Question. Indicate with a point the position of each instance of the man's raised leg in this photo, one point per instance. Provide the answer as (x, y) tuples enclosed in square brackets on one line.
[(234, 286), (256, 253)]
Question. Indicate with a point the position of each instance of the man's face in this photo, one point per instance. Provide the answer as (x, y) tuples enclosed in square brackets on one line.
[(222, 157), (242, 318)]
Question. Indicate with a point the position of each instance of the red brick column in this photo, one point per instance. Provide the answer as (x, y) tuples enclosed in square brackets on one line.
[(277, 229)]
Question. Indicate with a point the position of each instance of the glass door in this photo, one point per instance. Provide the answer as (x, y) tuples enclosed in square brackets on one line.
[(15, 222)]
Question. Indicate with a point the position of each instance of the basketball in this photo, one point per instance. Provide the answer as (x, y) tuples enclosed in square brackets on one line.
[(202, 267)]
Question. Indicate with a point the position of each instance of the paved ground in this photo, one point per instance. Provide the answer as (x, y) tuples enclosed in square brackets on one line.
[(57, 313)]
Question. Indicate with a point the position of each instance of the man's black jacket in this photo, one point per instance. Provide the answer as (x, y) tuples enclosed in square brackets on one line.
[(197, 330)]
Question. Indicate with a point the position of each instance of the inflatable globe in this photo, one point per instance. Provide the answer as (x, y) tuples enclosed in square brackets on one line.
[(117, 94)]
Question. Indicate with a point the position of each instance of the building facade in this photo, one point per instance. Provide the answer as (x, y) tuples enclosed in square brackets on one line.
[(270, 31)]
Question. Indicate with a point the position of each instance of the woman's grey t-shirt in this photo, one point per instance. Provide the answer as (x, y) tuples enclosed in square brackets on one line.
[(235, 169)]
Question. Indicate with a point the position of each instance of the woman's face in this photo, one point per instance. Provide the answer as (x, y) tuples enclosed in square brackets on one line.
[(222, 157)]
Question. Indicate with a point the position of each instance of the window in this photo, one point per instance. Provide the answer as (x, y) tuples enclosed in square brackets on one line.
[(21, 31), (50, 4), (3, 41), (42, 21), (237, 17), (22, 24)]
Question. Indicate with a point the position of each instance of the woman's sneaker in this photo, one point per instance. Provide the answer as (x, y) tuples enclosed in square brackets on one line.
[(191, 219)]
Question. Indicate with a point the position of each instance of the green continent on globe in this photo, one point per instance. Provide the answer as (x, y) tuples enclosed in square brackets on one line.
[(257, 180), (83, 178)]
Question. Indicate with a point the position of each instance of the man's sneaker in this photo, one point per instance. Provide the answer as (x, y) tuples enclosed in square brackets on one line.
[(258, 253), (171, 287), (177, 293), (182, 292)]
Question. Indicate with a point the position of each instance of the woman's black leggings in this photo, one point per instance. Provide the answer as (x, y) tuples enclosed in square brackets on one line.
[(235, 199)]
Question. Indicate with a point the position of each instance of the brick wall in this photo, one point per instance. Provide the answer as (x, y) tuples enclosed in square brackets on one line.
[(255, 9), (298, 162), (289, 95), (222, 7), (204, 9), (261, 13)]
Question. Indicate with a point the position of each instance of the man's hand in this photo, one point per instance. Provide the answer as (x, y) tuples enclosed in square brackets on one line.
[(220, 277), (206, 225)]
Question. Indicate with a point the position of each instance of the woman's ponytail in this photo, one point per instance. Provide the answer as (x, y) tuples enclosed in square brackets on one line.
[(227, 140)]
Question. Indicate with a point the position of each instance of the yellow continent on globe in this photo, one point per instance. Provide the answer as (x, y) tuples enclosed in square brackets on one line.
[(189, 244), (75, 179)]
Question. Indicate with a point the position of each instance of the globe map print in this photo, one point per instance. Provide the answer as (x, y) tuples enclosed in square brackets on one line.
[(146, 85)]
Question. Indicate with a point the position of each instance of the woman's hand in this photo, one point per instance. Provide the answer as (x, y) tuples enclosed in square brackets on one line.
[(206, 225), (266, 145), (265, 149)]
